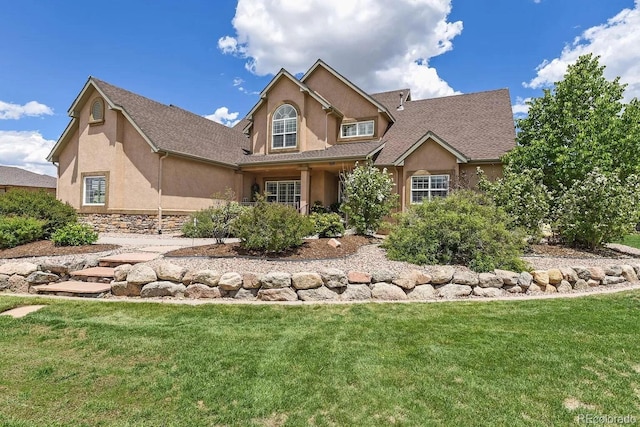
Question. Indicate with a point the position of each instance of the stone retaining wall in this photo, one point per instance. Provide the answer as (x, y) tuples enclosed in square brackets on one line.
[(128, 223), (169, 280)]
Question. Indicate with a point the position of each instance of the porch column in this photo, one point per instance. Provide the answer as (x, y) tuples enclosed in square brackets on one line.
[(305, 177)]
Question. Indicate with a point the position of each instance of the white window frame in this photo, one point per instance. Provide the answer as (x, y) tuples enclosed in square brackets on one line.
[(280, 196), (360, 129), (291, 122), (429, 186), (85, 195)]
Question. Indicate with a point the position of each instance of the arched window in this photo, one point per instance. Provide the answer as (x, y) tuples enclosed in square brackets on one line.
[(97, 110), (284, 130)]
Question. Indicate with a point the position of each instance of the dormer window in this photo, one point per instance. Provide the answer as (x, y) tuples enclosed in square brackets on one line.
[(284, 130), (97, 111), (357, 129)]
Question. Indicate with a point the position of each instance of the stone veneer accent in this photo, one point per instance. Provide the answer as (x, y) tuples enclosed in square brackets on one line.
[(441, 282), (133, 223)]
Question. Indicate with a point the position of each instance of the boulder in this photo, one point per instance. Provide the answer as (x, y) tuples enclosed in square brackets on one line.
[(334, 243), (582, 272), (231, 281), (306, 280), (525, 279), (593, 283), (19, 268), (564, 287), (406, 280), (141, 274), (613, 270), (419, 277), (277, 294), (125, 289), (629, 273), (18, 283), (517, 289), (358, 277), (162, 289), (382, 275), (534, 288), (275, 280), (210, 278), (580, 285), (569, 274), (4, 282), (489, 280), (597, 273), (171, 272), (40, 277), (251, 281), (120, 272), (442, 274), (422, 292), (59, 268), (318, 294), (189, 277), (246, 294), (334, 278), (384, 291), (541, 277), (355, 292), (550, 289), (555, 276), (509, 278), (199, 290), (613, 280), (465, 278), (453, 290), (90, 261), (490, 292)]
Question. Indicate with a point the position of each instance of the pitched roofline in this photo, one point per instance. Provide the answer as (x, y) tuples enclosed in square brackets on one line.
[(430, 135), (315, 160), (70, 126), (198, 158), (364, 94)]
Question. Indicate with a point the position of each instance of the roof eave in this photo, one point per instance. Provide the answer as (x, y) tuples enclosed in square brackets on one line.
[(460, 157)]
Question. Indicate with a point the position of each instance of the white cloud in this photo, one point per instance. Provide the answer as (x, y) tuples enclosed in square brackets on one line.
[(616, 42), (376, 46), (223, 116), (521, 108), (10, 111), (27, 150), (237, 81)]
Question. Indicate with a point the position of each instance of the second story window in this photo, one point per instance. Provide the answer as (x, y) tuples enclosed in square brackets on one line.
[(97, 111), (284, 128), (357, 129)]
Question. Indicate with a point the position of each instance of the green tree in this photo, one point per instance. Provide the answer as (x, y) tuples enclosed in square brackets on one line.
[(368, 197), (579, 124)]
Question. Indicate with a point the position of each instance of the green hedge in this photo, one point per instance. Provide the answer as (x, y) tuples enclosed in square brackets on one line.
[(16, 231), (40, 205)]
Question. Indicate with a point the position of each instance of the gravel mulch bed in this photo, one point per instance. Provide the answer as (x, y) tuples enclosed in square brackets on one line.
[(47, 248)]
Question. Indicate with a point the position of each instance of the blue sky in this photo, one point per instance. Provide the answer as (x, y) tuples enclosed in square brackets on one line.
[(214, 57)]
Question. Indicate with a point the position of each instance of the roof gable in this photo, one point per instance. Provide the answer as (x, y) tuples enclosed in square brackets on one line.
[(16, 177)]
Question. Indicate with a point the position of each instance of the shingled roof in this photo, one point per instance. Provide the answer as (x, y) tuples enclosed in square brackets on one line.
[(15, 177)]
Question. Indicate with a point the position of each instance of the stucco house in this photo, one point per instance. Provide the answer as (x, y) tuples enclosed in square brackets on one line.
[(17, 178), (131, 162)]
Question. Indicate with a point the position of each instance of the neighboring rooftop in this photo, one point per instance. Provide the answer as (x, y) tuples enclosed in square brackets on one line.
[(15, 177)]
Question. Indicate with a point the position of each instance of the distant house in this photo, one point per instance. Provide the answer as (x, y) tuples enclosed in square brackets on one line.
[(130, 162), (12, 177)]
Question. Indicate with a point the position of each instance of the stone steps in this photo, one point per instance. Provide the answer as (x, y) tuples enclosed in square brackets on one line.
[(94, 274), (74, 288), (127, 258)]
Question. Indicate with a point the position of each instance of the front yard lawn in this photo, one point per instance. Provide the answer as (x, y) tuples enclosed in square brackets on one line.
[(536, 362), (632, 240)]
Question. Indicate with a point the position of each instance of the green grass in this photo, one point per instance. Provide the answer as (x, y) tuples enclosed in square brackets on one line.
[(632, 240), (499, 363)]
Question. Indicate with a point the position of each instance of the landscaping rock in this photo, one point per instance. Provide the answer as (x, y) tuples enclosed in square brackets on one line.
[(406, 280), (613, 270), (19, 268), (334, 243), (419, 277), (517, 289), (356, 292), (120, 272), (384, 291), (489, 292), (306, 280), (422, 292), (534, 288), (358, 277), (564, 287), (318, 294), (442, 274), (188, 277), (596, 273), (580, 285), (555, 276), (465, 278), (199, 290), (125, 289), (277, 294), (550, 289), (541, 277), (230, 281), (629, 273), (382, 276), (4, 282), (210, 278), (509, 278), (18, 283), (162, 289), (582, 272), (171, 272), (141, 274), (40, 277), (61, 269), (275, 279), (251, 281), (90, 261), (489, 280), (453, 290), (593, 283), (612, 280), (569, 274), (334, 278), (525, 279), (246, 294)]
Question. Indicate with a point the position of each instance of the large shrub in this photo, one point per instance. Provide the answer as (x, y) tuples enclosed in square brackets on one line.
[(598, 209), (216, 222), (40, 205), (464, 228), (16, 231), (271, 227), (74, 235), (368, 197), (327, 224)]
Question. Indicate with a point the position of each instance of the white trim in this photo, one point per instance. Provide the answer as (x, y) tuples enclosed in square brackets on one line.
[(357, 124), (296, 195), (284, 132), (429, 189), (461, 158), (84, 190)]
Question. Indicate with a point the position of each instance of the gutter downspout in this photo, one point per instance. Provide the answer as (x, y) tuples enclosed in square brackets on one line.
[(160, 192)]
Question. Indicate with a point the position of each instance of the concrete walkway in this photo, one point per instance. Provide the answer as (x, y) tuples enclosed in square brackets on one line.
[(154, 243), (624, 249)]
